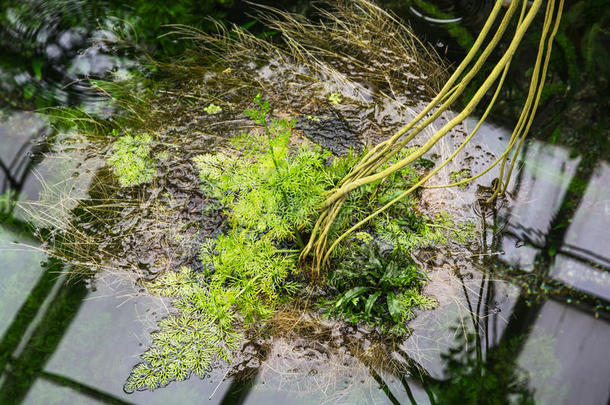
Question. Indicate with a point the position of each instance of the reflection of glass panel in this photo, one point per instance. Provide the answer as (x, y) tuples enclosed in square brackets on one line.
[(15, 131), (108, 333), (582, 277), (579, 373), (19, 273), (589, 233), (545, 177), (45, 392), (517, 254)]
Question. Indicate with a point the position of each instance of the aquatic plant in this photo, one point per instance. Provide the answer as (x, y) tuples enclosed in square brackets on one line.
[(189, 340), (130, 160), (270, 190), (376, 288), (212, 109), (269, 195)]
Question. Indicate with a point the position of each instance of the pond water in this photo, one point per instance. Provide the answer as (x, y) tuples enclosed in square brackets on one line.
[(545, 332)]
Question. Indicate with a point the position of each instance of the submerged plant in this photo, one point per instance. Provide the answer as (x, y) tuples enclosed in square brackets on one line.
[(188, 341), (130, 160)]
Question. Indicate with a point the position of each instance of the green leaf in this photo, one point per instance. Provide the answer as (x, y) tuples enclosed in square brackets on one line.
[(28, 91), (349, 295), (37, 67), (371, 301), (394, 307)]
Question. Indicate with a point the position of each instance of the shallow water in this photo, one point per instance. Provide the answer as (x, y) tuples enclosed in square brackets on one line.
[(78, 342), (72, 341)]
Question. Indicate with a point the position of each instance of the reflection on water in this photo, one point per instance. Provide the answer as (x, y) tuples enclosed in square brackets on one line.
[(50, 48), (541, 338), (532, 341)]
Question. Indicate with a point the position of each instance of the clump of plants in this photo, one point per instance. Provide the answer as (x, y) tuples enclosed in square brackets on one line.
[(130, 160), (270, 190), (378, 289), (189, 340), (269, 194)]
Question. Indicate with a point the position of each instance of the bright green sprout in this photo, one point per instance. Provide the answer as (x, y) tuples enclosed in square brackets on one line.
[(335, 98), (212, 109)]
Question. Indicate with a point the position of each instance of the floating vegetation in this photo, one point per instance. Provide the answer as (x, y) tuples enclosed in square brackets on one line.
[(335, 98), (130, 160), (270, 194)]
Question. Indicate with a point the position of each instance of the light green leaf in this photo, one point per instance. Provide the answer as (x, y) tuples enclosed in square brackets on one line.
[(349, 295)]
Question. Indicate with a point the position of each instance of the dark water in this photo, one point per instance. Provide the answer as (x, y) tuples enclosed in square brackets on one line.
[(543, 336)]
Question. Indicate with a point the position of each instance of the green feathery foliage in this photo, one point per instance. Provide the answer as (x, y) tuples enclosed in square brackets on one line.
[(270, 194), (191, 339), (130, 160)]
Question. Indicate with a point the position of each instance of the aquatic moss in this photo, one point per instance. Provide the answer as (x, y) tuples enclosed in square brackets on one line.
[(130, 160)]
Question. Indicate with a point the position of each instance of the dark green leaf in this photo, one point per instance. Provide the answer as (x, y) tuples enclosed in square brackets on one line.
[(351, 294), (394, 307), (371, 301)]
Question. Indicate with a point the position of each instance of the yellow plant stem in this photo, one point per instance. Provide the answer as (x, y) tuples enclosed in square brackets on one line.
[(448, 94), (365, 172), (518, 134), (425, 178), (493, 76), (549, 48)]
